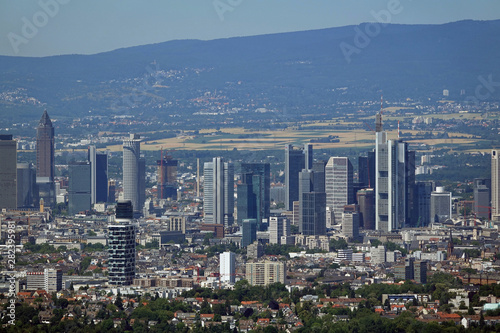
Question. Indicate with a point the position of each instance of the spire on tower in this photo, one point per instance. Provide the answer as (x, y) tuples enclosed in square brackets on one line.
[(378, 116), (45, 120)]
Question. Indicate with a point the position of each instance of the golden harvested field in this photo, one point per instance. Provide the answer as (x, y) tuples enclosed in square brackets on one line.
[(242, 139)]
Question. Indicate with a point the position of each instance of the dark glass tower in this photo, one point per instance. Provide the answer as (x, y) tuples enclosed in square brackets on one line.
[(27, 197), (423, 191), (167, 178), (255, 200), (294, 163), (79, 189), (313, 213), (99, 175)]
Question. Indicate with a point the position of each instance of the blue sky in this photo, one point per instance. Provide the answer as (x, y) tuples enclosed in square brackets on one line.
[(51, 27)]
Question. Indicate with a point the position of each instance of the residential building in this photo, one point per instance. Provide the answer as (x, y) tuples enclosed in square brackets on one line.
[(227, 268), (121, 242), (265, 273)]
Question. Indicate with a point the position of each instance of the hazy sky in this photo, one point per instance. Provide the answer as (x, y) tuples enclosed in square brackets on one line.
[(51, 27)]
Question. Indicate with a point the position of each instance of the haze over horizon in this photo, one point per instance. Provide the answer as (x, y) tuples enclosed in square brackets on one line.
[(57, 27)]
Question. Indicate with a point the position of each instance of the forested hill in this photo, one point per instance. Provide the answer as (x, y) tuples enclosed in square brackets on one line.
[(304, 68)]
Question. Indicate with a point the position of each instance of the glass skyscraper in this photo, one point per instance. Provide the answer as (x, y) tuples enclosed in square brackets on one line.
[(218, 192), (254, 192), (79, 189)]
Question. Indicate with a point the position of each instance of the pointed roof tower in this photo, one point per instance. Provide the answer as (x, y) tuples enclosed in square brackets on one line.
[(45, 120)]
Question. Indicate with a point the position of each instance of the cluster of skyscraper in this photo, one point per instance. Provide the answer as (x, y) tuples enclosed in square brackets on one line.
[(27, 186), (322, 194)]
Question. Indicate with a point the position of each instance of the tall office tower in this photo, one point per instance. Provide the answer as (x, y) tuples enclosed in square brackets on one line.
[(278, 226), (99, 175), (248, 232), (265, 273), (227, 269), (481, 197), (395, 172), (366, 170), (167, 178), (79, 187), (312, 206), (218, 192), (294, 163), (26, 185), (339, 185), (8, 172), (350, 225), (45, 162), (246, 205), (313, 214), (423, 192), (306, 182), (411, 200), (121, 242), (366, 202), (308, 156), (111, 190), (319, 181), (495, 184), (131, 171), (440, 205), (254, 192), (142, 181)]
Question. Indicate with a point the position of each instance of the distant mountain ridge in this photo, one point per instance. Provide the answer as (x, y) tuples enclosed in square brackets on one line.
[(296, 68)]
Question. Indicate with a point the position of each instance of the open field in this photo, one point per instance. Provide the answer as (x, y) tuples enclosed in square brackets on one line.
[(241, 139)]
